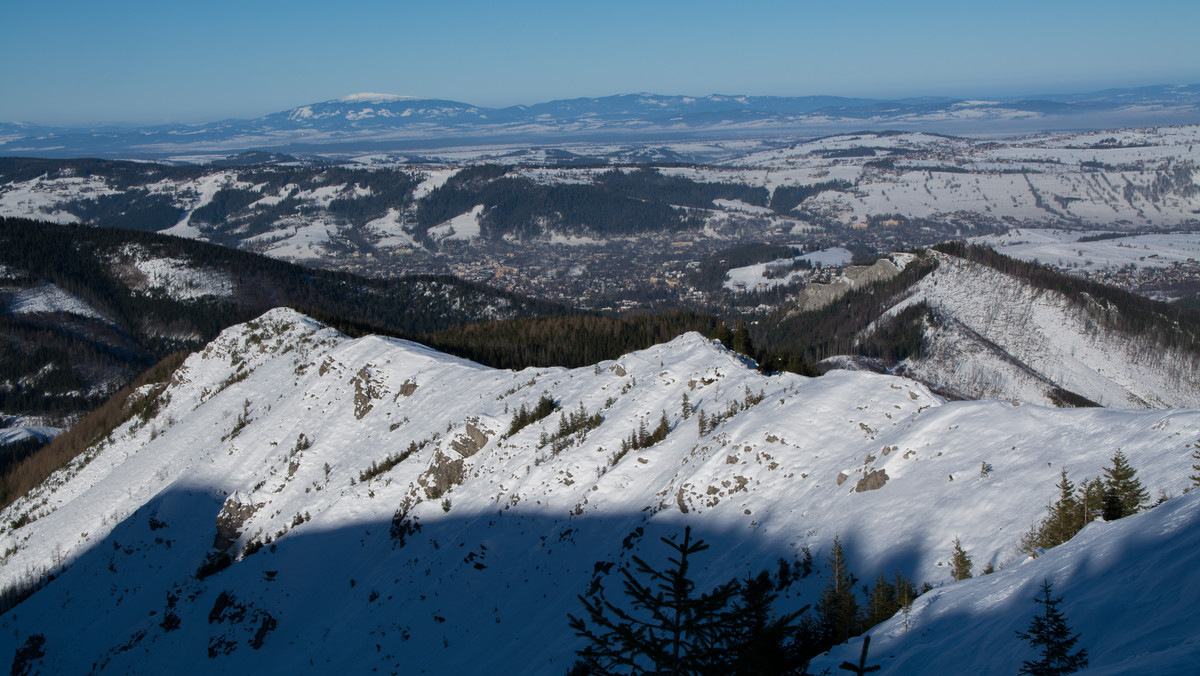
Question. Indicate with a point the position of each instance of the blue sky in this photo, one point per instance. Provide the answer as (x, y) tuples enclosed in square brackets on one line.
[(151, 62)]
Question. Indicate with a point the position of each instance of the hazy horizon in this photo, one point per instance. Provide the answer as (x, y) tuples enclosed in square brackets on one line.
[(137, 63)]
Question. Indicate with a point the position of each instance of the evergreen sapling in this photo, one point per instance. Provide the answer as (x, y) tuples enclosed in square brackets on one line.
[(1049, 633)]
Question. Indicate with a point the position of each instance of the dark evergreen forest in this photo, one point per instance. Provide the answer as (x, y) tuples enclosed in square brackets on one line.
[(618, 203)]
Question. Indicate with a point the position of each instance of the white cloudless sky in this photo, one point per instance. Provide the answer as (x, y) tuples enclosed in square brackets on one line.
[(127, 61)]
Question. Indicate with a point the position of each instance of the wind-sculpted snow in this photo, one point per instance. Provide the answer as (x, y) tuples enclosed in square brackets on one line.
[(377, 513)]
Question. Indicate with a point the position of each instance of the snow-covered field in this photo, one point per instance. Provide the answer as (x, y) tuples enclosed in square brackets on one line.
[(12, 435), (1146, 178), (266, 436), (754, 277), (462, 227), (1063, 249), (297, 239), (391, 231), (41, 198)]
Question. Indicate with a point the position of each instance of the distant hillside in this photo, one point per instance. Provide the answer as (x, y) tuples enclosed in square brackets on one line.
[(973, 324), (301, 210), (373, 122), (83, 310)]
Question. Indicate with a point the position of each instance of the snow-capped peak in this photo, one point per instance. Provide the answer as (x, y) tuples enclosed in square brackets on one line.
[(372, 97)]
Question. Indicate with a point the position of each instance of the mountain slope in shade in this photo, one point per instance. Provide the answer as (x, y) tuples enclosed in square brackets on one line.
[(376, 515), (1128, 590)]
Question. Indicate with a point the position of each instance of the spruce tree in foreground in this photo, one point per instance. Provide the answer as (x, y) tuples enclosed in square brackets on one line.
[(1049, 633), (757, 641), (670, 629)]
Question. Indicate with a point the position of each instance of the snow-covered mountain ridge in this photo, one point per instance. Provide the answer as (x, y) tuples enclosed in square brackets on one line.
[(996, 335), (467, 552)]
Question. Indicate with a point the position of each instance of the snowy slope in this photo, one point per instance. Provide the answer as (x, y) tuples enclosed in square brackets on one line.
[(1063, 248), (894, 189), (1121, 179), (998, 336), (1135, 262), (181, 280), (1129, 589), (266, 434), (46, 297)]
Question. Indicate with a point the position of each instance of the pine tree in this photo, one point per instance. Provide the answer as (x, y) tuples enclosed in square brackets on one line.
[(837, 608), (785, 576), (906, 591), (1049, 633), (882, 603), (961, 561), (661, 430), (670, 629), (1114, 507), (740, 340), (1065, 518), (1070, 513), (723, 334), (756, 642), (1124, 492), (1091, 500)]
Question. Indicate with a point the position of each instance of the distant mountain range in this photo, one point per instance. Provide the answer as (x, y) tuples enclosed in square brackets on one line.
[(383, 122)]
